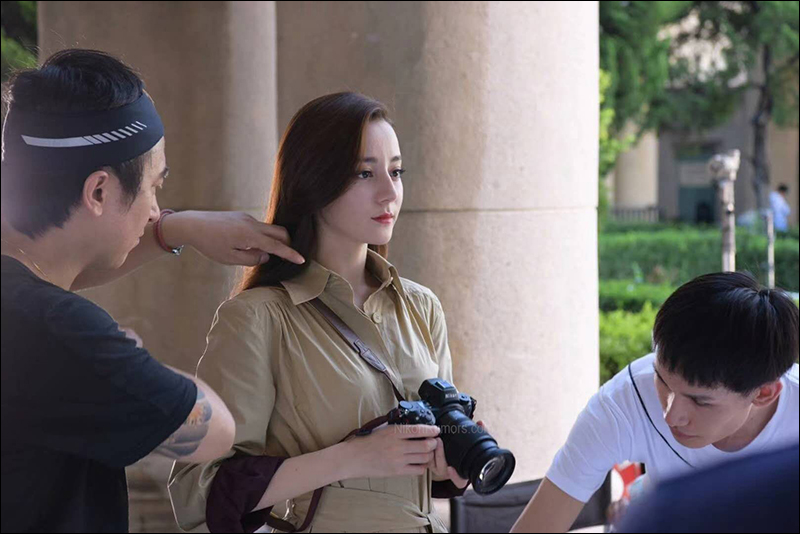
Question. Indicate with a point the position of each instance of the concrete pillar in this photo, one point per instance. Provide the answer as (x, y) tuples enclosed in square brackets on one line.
[(495, 105), (782, 153), (210, 68), (636, 174)]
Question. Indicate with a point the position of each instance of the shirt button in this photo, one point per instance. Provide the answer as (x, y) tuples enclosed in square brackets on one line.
[(376, 317)]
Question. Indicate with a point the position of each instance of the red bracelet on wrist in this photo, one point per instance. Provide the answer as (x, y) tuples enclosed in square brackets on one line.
[(160, 237)]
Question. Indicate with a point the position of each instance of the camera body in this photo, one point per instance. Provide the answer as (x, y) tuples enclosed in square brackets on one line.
[(468, 448), (438, 396)]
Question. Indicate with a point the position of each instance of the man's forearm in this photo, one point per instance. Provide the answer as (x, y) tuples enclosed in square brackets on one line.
[(550, 510), (173, 229)]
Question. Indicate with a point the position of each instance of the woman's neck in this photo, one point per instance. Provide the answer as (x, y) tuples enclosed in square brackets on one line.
[(348, 260)]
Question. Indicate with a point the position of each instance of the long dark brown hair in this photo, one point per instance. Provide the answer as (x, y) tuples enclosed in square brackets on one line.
[(317, 161)]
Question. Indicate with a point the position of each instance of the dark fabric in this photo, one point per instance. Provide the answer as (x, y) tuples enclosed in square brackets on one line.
[(109, 137), (79, 403), (755, 494), (237, 488), (445, 489)]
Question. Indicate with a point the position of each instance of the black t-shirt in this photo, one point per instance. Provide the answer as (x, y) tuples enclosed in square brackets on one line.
[(79, 403)]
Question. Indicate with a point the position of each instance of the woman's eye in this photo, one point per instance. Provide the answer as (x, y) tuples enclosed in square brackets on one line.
[(398, 173), (365, 174)]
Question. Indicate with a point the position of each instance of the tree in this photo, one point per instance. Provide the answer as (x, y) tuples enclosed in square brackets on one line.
[(634, 71), (635, 54), (719, 51), (17, 35)]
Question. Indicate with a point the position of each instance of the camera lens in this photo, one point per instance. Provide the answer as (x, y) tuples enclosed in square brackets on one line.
[(491, 470), (474, 452), (495, 472)]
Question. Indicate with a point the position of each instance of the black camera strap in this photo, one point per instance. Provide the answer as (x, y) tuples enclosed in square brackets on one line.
[(356, 344)]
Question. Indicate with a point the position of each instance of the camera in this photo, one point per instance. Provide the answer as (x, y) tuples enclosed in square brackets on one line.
[(471, 450)]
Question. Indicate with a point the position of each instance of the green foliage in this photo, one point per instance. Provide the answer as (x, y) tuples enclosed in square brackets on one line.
[(624, 227), (676, 256), (624, 337), (751, 36), (632, 296), (611, 145), (18, 36), (636, 56)]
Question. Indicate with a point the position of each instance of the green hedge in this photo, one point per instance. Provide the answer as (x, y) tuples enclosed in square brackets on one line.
[(615, 227), (674, 256), (624, 337), (631, 296)]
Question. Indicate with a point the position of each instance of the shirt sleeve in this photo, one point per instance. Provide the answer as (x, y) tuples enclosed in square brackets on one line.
[(236, 364), (600, 438), (116, 404)]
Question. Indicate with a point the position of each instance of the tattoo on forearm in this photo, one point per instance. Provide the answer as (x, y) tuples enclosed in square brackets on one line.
[(187, 438)]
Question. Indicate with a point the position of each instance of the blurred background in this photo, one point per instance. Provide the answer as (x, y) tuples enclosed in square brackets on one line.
[(558, 187)]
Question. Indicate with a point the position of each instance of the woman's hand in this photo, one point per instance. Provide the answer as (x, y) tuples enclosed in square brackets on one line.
[(439, 468), (390, 451)]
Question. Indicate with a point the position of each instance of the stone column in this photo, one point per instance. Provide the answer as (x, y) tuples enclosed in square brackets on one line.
[(495, 105), (636, 174), (211, 69), (782, 150)]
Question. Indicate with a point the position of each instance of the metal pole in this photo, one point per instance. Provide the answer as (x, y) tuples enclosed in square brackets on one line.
[(769, 222), (723, 169)]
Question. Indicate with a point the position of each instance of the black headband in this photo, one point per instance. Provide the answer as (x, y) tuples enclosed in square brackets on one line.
[(35, 142)]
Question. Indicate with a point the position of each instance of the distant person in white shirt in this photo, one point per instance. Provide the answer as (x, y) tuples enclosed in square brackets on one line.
[(722, 385), (778, 201)]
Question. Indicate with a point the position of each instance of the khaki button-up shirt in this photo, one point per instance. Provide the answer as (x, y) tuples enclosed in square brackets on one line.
[(294, 387)]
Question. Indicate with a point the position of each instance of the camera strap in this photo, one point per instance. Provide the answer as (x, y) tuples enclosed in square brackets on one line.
[(356, 344), (372, 359)]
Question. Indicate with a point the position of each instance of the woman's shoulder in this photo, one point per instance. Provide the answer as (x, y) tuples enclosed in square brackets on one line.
[(258, 300), (421, 296)]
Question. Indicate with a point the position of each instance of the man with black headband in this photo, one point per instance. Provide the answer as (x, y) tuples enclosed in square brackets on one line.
[(83, 158)]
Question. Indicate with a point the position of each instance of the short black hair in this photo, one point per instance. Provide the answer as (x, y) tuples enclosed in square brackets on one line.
[(69, 81), (783, 188), (725, 329)]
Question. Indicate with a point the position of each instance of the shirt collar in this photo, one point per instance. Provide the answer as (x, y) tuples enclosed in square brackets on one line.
[(311, 283)]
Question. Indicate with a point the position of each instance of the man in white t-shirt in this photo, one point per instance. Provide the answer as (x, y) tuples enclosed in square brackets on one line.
[(723, 384)]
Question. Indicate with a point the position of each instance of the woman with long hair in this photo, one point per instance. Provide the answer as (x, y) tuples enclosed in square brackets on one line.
[(295, 385)]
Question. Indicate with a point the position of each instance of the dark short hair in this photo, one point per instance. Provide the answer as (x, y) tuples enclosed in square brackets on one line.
[(69, 81), (783, 188), (725, 329)]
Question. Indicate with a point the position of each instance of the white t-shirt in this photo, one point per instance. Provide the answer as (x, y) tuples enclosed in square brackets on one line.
[(613, 428)]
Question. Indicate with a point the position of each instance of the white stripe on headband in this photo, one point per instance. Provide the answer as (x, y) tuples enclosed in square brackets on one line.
[(87, 140)]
